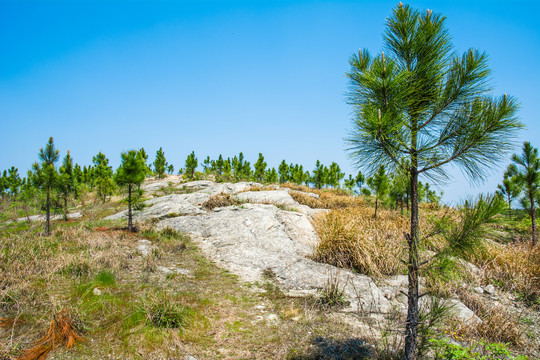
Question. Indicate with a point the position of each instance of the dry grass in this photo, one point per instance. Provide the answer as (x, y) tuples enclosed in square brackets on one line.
[(62, 333), (220, 200), (514, 267), (352, 238), (498, 323), (328, 199)]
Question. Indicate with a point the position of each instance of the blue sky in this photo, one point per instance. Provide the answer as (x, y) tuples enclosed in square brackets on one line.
[(223, 76)]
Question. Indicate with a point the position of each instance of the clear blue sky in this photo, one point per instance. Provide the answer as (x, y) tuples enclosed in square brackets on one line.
[(223, 76)]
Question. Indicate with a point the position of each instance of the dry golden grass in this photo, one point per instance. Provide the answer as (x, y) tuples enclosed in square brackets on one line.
[(514, 267), (220, 200), (498, 323), (328, 199), (353, 238)]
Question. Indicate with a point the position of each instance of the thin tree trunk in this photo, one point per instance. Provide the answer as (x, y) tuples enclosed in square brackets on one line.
[(130, 216), (411, 331), (376, 203), (411, 328), (533, 218), (47, 220), (65, 207)]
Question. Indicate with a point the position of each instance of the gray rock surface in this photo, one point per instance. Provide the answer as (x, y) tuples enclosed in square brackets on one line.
[(259, 236), (74, 215), (276, 197), (144, 247), (250, 238)]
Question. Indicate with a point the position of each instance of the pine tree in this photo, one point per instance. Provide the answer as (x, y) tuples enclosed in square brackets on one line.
[(379, 184), (283, 171), (66, 181), (359, 180), (130, 174), (318, 178), (260, 167), (510, 187), (47, 175), (160, 164), (334, 175), (206, 165), (426, 104), (103, 176), (191, 165), (527, 174), (170, 169), (271, 176), (14, 181), (350, 183)]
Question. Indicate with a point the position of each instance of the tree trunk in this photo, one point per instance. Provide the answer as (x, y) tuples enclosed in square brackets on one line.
[(65, 207), (411, 330), (376, 203), (47, 220), (533, 218), (130, 216)]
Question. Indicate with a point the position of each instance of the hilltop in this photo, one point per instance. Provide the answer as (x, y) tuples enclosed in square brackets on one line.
[(245, 270)]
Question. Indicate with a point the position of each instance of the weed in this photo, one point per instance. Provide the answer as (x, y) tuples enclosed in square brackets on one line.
[(332, 296)]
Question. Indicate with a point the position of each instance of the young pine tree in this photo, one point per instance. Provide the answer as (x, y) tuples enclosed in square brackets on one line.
[(510, 187), (191, 165), (379, 184), (47, 175), (130, 174), (527, 174), (102, 176), (424, 103), (160, 164), (319, 176), (66, 181), (260, 167), (283, 171)]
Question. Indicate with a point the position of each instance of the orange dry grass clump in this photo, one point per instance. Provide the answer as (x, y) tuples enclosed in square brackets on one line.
[(353, 238), (61, 332)]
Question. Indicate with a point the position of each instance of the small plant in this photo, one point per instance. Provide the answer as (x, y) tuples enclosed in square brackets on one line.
[(164, 313), (332, 296)]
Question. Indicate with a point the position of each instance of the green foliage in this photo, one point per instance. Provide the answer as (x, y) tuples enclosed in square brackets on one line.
[(319, 175), (260, 167), (379, 183), (164, 313), (510, 187), (527, 174), (444, 349), (271, 176), (102, 176), (130, 174), (191, 165), (160, 164), (66, 183), (427, 107)]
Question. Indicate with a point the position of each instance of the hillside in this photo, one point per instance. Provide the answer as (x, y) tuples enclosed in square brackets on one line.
[(247, 271)]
